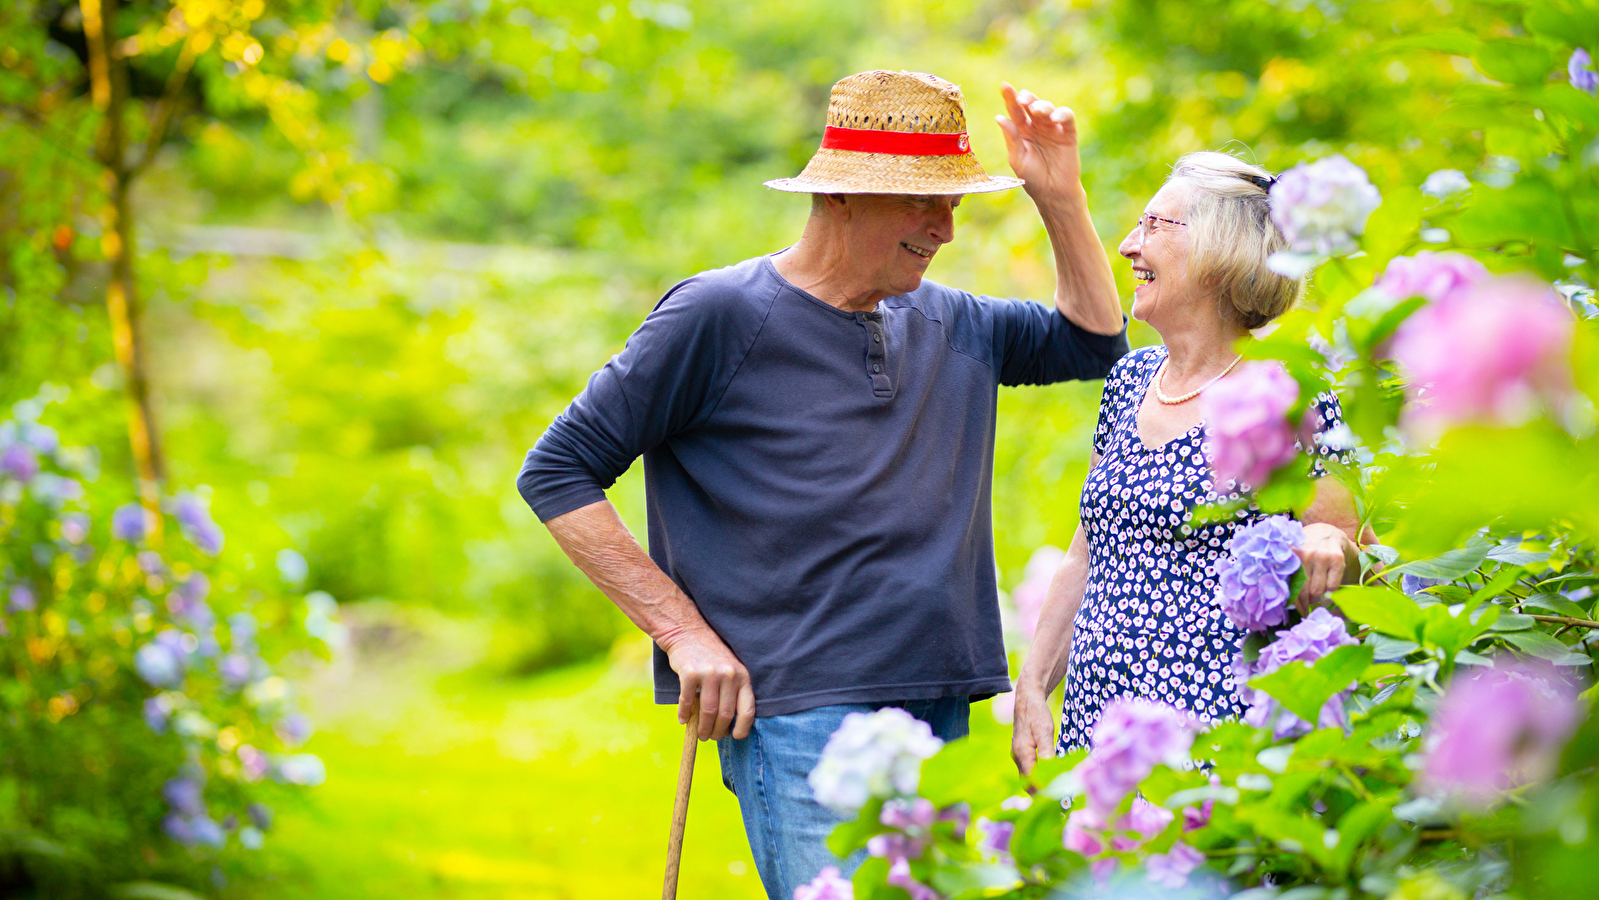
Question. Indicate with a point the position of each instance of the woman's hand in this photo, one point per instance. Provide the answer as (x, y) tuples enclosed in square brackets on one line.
[(1041, 139), (1329, 559), (1034, 735)]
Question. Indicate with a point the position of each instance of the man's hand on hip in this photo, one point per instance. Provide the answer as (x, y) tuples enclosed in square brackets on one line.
[(707, 668)]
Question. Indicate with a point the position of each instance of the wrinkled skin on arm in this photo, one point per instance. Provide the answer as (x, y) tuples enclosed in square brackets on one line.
[(597, 542)]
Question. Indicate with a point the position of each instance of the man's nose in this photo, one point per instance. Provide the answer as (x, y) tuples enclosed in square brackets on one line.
[(942, 228)]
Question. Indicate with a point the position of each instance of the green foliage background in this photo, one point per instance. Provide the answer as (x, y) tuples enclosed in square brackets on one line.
[(355, 340)]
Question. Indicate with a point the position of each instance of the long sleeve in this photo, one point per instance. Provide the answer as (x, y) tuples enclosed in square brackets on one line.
[(667, 377), (1035, 344)]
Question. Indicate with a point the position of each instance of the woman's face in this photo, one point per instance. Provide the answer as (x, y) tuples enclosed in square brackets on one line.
[(1158, 251)]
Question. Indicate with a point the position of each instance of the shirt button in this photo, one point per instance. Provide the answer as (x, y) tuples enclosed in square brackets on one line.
[(876, 368), (877, 339)]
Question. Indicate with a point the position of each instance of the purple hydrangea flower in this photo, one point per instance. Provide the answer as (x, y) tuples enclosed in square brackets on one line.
[(158, 665), (1580, 70), (260, 815), (1252, 583), (1172, 868), (908, 814), (293, 729), (18, 461), (129, 523), (178, 828), (1435, 276), (827, 885), (157, 713), (242, 629), (42, 438), (194, 518), (1321, 208), (995, 835), (1143, 821), (185, 795), (893, 845), (899, 875), (1496, 729), (150, 562), (235, 669), (1317, 635), (21, 599), (207, 833), (75, 527), (1246, 422), (253, 764), (1132, 737), (1415, 584)]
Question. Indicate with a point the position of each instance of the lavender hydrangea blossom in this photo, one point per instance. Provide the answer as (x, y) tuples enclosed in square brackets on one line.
[(1252, 583), (128, 523), (1317, 635), (1579, 69), (1246, 423), (1321, 208), (162, 662), (194, 519), (1446, 183), (1496, 729), (19, 461), (1435, 276), (876, 754), (1172, 868), (1132, 737), (21, 599), (827, 885)]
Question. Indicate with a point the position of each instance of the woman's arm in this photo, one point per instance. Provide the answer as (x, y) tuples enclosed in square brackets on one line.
[(1045, 666), (1331, 552)]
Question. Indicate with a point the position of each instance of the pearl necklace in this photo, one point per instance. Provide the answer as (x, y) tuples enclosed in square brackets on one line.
[(1184, 398)]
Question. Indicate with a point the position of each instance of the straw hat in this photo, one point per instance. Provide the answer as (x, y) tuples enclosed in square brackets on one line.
[(894, 133)]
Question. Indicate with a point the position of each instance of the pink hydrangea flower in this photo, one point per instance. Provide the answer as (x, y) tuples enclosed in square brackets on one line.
[(1172, 868), (1132, 737), (1246, 423), (827, 885), (899, 875), (1496, 729), (1143, 821), (1029, 595), (1084, 833), (1490, 354), (1435, 276)]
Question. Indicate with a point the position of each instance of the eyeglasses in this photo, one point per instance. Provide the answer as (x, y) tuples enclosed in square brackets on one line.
[(1148, 222)]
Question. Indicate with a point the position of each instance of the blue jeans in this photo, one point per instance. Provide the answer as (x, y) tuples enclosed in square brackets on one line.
[(787, 828)]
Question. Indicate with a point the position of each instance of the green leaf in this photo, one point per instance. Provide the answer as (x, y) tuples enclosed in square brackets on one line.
[(1452, 633), (1555, 604), (1356, 826), (1038, 833), (1515, 61), (1537, 644), (1304, 688), (968, 770), (977, 880), (152, 890), (1513, 622), (1387, 610), (1448, 566), (852, 835), (1507, 576)]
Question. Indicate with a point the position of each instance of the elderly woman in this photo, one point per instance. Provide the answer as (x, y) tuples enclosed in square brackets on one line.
[(1131, 611)]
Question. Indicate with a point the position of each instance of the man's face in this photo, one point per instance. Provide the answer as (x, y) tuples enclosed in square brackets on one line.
[(892, 237)]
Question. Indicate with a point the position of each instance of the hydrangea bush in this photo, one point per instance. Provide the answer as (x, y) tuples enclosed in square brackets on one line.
[(1428, 731), (146, 723)]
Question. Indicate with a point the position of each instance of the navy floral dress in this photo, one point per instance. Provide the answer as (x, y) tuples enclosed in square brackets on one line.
[(1149, 625)]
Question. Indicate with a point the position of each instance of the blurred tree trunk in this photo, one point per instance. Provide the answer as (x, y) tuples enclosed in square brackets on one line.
[(108, 75)]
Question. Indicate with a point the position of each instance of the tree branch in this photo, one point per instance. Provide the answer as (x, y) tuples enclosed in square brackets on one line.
[(167, 105)]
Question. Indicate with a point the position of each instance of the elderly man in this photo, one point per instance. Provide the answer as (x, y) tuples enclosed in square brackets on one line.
[(817, 428)]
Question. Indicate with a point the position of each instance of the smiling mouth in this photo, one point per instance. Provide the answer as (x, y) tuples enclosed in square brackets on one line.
[(924, 254), (1143, 275)]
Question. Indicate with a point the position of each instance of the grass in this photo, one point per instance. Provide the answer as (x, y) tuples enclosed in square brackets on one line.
[(447, 782)]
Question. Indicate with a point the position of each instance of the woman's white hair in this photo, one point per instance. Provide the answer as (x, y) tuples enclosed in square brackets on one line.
[(1230, 234)]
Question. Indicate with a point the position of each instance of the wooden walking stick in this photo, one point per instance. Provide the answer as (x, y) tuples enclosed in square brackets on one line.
[(685, 780)]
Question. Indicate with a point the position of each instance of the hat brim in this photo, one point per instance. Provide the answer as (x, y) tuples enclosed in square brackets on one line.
[(850, 172)]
